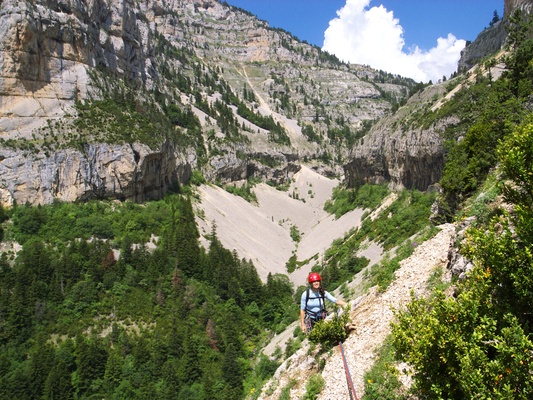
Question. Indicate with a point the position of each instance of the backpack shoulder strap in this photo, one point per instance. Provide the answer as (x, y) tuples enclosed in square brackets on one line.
[(320, 297)]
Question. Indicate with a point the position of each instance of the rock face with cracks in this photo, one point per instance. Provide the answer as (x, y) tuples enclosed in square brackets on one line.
[(54, 54)]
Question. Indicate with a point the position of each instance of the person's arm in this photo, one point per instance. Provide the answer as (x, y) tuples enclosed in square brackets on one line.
[(302, 321), (334, 300)]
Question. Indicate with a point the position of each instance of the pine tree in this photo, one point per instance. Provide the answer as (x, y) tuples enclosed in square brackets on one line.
[(91, 358), (42, 359), (232, 373), (58, 384), (186, 243)]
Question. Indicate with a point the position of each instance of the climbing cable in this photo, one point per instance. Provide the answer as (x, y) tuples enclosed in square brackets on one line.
[(351, 388)]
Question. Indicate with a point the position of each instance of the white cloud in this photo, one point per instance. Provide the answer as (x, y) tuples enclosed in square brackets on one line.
[(372, 36)]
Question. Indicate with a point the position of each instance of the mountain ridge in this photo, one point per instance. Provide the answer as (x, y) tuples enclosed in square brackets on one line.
[(186, 55)]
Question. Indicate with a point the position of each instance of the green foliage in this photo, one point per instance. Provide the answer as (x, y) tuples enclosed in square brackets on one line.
[(488, 112), (295, 233), (381, 381), (458, 350), (245, 191), (277, 133), (292, 346), (286, 391), (3, 217), (478, 343), (197, 178), (382, 274), (309, 132), (314, 387), (342, 262), (266, 367), (331, 331), (120, 119), (504, 248), (483, 205), (291, 263), (105, 220), (344, 200), (160, 322), (406, 216)]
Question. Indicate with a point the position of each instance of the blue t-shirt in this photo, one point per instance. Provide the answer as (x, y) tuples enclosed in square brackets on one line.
[(315, 303)]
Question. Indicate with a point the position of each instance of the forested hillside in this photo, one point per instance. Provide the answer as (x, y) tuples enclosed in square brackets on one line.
[(165, 320)]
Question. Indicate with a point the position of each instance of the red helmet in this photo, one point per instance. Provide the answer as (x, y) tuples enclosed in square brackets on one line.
[(313, 277)]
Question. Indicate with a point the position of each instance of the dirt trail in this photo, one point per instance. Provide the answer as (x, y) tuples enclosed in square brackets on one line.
[(371, 316)]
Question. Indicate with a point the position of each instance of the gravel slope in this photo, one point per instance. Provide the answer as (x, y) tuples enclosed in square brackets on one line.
[(261, 232)]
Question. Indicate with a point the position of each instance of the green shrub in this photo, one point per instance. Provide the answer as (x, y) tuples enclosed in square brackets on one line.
[(406, 216), (295, 233), (331, 331), (478, 343), (314, 387), (245, 191), (291, 264), (344, 200)]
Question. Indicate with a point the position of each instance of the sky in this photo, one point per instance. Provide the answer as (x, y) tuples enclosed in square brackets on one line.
[(419, 39)]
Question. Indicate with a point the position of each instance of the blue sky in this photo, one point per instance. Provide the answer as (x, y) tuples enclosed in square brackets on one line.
[(417, 38)]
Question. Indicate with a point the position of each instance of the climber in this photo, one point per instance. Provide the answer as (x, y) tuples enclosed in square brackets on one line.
[(312, 304)]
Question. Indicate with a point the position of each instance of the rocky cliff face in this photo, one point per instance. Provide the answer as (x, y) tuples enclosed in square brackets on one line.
[(489, 41), (101, 171), (511, 5), (187, 53), (46, 50), (492, 39), (399, 150)]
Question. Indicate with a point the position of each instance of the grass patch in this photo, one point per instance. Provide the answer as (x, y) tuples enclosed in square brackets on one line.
[(381, 381)]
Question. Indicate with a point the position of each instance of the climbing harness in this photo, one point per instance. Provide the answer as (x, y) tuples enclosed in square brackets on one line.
[(351, 388), (311, 318)]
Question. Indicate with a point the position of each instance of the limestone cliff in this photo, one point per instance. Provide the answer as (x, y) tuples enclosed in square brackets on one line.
[(186, 56), (46, 52), (492, 39), (400, 151)]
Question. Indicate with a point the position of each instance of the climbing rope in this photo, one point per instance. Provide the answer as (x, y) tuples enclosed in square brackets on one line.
[(351, 388)]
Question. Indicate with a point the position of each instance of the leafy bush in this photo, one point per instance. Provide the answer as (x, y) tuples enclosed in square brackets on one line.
[(406, 216), (245, 191), (295, 233), (478, 344), (330, 331), (291, 263), (458, 349)]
